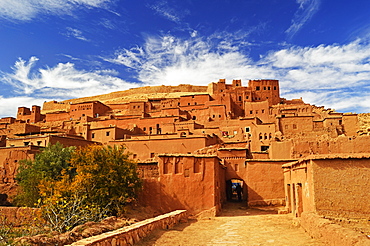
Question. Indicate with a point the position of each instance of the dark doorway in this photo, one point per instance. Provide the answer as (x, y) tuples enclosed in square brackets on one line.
[(236, 190)]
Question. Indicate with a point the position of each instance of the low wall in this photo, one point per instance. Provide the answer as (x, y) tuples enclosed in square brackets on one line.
[(331, 233), (132, 234)]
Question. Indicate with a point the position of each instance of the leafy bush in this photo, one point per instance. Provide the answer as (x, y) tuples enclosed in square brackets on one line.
[(73, 186)]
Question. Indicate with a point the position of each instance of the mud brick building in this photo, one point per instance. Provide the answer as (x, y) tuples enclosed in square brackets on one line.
[(193, 144)]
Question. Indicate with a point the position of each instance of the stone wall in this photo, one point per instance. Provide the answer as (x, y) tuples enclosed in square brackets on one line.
[(134, 233)]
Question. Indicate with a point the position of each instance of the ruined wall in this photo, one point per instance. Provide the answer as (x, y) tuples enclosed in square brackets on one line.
[(9, 163), (326, 145)]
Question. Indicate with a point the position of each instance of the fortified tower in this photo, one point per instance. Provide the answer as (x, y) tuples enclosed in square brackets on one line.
[(263, 90)]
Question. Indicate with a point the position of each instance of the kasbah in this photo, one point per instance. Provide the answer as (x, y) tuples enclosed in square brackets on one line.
[(193, 144)]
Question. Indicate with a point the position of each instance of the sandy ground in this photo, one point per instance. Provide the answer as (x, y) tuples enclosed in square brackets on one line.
[(236, 225)]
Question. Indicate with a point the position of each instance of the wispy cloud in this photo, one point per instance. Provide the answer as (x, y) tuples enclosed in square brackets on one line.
[(62, 81), (72, 32), (164, 9), (307, 8), (26, 10)]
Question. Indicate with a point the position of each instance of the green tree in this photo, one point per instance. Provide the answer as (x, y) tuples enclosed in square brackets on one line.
[(73, 186), (48, 165), (107, 176)]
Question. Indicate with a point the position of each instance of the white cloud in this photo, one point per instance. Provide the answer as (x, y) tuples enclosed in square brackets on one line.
[(25, 10), (332, 72), (13, 103), (335, 76), (307, 8), (72, 32), (168, 11), (62, 81)]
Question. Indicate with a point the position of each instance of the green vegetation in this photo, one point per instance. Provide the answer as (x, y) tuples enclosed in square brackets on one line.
[(73, 186)]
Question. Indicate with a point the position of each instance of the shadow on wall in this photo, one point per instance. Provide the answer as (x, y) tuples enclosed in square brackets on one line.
[(154, 196), (255, 199)]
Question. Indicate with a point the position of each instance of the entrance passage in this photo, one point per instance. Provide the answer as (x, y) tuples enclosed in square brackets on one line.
[(236, 190)]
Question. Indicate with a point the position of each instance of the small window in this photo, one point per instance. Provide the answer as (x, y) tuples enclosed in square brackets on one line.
[(134, 156), (264, 148), (264, 88), (194, 117), (152, 155), (247, 97), (269, 88), (263, 111), (144, 129), (93, 135), (251, 112), (275, 88), (240, 98), (107, 134), (247, 129), (257, 88)]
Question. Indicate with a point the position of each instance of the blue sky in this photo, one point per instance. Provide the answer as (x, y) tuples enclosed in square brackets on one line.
[(62, 49)]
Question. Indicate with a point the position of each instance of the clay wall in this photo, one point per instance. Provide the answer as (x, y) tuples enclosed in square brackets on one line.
[(104, 135), (194, 100), (91, 109), (304, 147), (149, 147), (341, 187), (329, 186), (299, 191), (170, 103), (265, 181), (350, 124), (297, 125), (9, 163), (43, 141), (57, 116), (167, 112), (7, 120), (265, 90), (136, 108), (23, 128), (30, 115), (298, 108), (257, 109), (53, 106), (280, 150), (186, 182), (147, 125)]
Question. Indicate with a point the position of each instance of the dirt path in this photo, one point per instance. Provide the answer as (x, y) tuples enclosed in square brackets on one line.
[(236, 226)]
